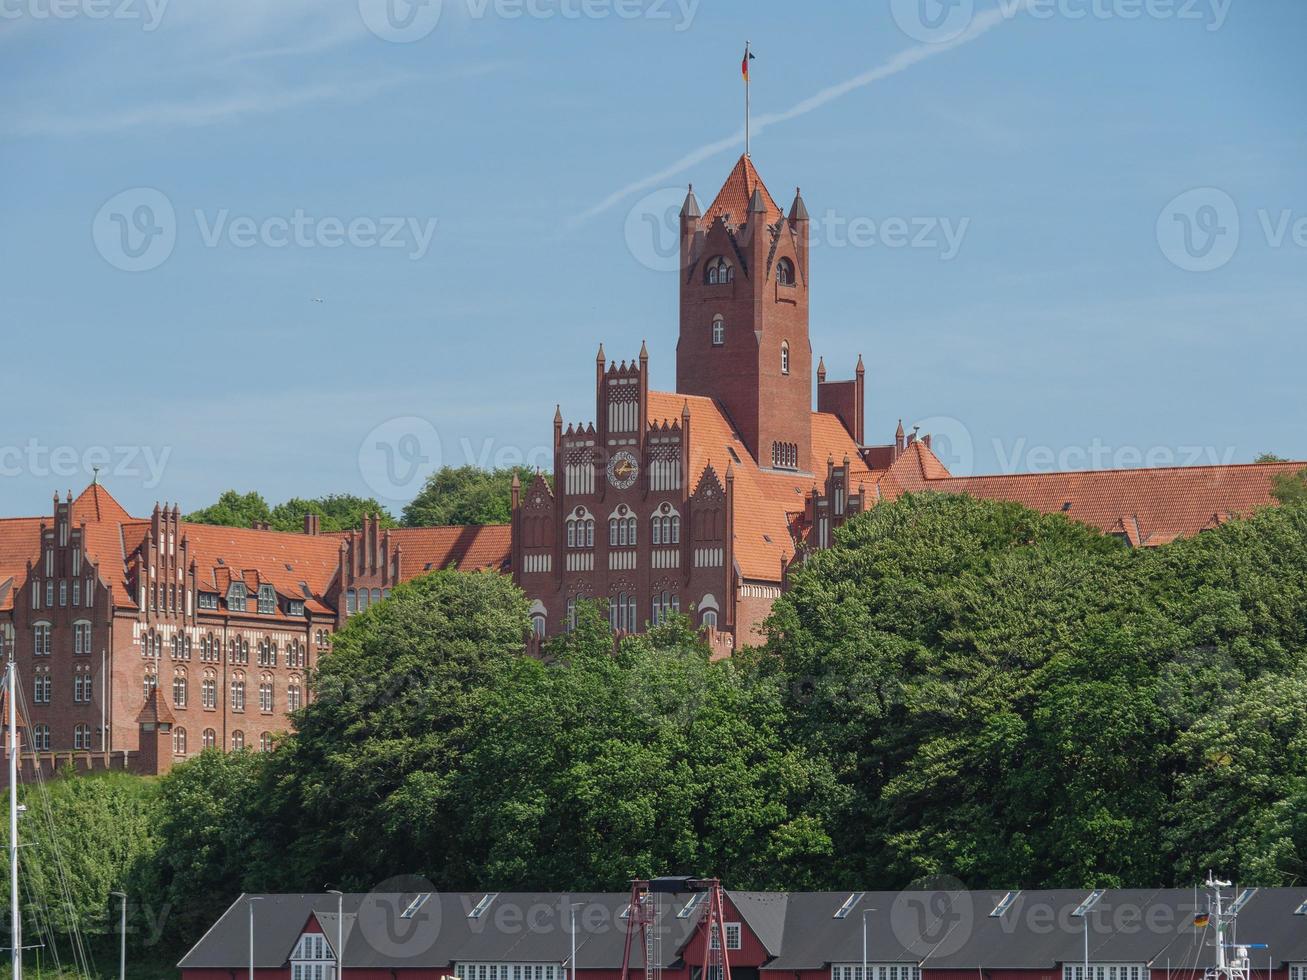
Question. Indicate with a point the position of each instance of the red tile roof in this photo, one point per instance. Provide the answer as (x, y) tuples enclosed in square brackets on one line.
[(470, 548), (763, 499), (1148, 506), (20, 542), (736, 193)]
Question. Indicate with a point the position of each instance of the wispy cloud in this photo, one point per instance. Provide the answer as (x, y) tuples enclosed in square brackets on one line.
[(199, 111), (980, 25)]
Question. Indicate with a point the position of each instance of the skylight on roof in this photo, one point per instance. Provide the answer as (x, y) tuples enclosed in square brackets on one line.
[(1004, 904), (414, 905), (843, 911), (1242, 900), (1301, 909), (691, 905), (482, 905), (1084, 907)]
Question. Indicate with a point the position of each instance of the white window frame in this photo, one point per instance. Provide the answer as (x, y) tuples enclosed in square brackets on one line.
[(876, 971), (1106, 971)]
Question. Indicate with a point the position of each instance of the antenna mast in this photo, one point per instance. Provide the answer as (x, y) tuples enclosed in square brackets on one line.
[(1232, 958)]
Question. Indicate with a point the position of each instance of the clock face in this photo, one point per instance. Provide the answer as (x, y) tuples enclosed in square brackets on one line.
[(623, 468)]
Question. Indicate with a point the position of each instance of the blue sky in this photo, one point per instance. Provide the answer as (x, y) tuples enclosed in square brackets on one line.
[(1060, 232)]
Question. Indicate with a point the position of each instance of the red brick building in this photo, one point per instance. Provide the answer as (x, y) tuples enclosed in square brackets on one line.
[(101, 610), (696, 501), (699, 500)]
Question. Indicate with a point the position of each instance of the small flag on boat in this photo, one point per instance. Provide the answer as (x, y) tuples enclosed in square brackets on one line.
[(1201, 919)]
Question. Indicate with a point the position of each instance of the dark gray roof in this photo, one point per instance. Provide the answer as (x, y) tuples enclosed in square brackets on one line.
[(799, 930)]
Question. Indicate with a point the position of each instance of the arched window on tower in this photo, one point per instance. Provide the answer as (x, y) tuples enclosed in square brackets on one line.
[(718, 272), (785, 357), (785, 272), (718, 330)]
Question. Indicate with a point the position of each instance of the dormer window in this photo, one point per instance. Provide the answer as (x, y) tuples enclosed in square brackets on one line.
[(236, 597), (718, 330), (267, 599), (297, 607), (785, 272), (718, 272), (207, 600)]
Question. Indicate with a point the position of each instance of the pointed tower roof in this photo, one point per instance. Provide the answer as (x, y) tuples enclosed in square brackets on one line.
[(156, 711), (96, 504), (798, 210), (690, 209), (738, 192)]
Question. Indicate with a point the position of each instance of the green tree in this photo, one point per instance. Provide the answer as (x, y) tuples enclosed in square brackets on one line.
[(391, 710), (337, 512), (1290, 489), (465, 495), (82, 839), (233, 510), (211, 841), (1270, 458)]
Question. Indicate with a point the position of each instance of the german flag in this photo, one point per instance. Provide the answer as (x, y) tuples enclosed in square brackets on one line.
[(1201, 919), (744, 65)]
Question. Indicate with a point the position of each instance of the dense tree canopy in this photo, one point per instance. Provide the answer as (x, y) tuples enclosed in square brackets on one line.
[(958, 686), (336, 512), (465, 495)]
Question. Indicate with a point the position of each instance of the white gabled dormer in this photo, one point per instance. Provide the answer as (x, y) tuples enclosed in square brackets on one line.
[(312, 958)]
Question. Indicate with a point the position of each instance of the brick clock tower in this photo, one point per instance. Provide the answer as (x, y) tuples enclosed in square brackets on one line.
[(744, 316), (642, 510)]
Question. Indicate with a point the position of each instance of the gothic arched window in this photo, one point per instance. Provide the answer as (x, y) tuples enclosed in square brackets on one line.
[(718, 330), (785, 357), (718, 272), (785, 272)]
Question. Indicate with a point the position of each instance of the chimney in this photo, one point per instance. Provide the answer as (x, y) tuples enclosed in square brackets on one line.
[(312, 524)]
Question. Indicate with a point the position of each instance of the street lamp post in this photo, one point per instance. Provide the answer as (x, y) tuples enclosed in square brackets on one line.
[(122, 938), (572, 909), (252, 900), (864, 942), (340, 931)]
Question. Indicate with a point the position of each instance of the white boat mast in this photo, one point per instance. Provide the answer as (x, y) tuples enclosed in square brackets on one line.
[(1232, 959), (11, 744)]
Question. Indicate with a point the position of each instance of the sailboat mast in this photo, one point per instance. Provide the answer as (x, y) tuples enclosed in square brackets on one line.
[(11, 739)]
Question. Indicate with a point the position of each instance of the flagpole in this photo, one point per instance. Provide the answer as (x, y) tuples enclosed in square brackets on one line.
[(746, 98)]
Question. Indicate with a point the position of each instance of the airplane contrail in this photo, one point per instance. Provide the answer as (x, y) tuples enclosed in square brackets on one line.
[(981, 24)]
